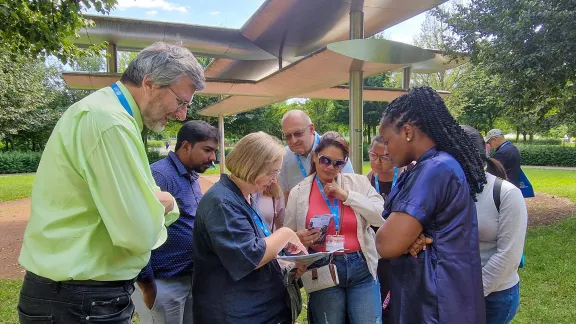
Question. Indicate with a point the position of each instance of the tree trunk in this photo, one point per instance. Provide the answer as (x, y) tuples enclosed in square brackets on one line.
[(531, 138), (524, 137), (517, 134)]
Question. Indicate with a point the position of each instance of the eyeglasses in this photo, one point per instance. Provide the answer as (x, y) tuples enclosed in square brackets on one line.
[(273, 173), (373, 157), (297, 134), (181, 103), (326, 161)]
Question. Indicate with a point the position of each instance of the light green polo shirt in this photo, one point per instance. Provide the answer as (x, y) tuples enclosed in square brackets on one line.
[(94, 213)]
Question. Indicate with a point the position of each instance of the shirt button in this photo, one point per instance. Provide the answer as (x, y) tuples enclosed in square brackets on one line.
[(87, 318)]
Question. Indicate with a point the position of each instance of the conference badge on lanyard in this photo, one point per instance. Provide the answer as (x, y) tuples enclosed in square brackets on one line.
[(333, 242)]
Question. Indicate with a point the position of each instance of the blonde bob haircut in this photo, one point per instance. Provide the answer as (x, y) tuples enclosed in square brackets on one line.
[(253, 155)]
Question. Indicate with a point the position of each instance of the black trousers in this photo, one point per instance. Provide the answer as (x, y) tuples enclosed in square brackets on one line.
[(44, 301)]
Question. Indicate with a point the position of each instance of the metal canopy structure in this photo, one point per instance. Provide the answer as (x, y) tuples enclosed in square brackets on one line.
[(287, 49)]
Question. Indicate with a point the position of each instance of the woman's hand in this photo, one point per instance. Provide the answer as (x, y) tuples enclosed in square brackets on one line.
[(308, 236), (296, 247), (419, 245), (334, 190), (300, 269)]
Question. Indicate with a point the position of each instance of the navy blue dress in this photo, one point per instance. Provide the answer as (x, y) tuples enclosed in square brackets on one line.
[(444, 284), (227, 248)]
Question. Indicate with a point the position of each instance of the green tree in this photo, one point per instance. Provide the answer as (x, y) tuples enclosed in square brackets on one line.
[(42, 28), (477, 99), (530, 44), (431, 36)]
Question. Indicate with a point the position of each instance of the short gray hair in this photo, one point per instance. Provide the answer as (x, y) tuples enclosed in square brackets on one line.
[(377, 139), (164, 64)]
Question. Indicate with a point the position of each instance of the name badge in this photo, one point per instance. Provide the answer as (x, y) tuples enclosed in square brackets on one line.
[(334, 242)]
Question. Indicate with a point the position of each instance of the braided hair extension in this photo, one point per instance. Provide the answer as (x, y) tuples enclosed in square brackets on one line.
[(424, 108)]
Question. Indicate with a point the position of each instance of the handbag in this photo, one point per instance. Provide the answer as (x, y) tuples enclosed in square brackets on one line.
[(320, 278), (293, 298)]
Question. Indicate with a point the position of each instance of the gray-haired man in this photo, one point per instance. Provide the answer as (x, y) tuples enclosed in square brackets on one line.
[(96, 211)]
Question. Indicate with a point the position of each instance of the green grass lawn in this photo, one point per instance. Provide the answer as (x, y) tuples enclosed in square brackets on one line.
[(548, 286), (15, 186)]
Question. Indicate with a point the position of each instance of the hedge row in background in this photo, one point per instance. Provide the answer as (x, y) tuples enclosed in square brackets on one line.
[(541, 155), (563, 156), (539, 141), (27, 162)]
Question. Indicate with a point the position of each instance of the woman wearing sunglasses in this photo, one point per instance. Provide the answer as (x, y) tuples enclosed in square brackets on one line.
[(353, 205)]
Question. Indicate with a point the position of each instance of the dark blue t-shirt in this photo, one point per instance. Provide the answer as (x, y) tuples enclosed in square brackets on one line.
[(509, 156), (228, 246), (444, 284)]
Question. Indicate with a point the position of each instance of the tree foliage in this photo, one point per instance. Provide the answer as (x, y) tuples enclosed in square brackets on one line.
[(42, 28), (530, 44)]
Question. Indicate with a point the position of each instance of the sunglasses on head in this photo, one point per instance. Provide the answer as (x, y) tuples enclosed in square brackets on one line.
[(326, 161)]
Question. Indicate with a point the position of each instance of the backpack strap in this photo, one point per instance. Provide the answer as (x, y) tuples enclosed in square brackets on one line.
[(496, 193)]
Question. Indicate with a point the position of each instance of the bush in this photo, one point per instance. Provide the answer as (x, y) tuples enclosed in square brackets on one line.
[(155, 144), (19, 162), (539, 141), (154, 156), (548, 155), (27, 162)]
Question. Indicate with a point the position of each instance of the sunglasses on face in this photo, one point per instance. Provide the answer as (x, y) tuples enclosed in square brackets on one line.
[(326, 161)]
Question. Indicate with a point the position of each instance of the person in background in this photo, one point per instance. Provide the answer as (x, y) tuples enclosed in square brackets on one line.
[(96, 211), (502, 222), (506, 153), (236, 276), (298, 132), (164, 290), (383, 177), (271, 204), (444, 283), (355, 206)]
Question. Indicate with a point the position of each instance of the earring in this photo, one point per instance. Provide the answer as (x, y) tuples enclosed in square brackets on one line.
[(408, 140)]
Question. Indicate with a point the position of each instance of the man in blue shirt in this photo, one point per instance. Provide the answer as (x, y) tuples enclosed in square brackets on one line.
[(165, 285), (298, 132), (506, 153)]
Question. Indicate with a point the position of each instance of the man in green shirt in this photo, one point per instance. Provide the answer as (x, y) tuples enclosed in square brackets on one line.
[(96, 210)]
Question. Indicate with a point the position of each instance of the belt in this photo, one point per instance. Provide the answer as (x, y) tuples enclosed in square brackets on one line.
[(92, 283)]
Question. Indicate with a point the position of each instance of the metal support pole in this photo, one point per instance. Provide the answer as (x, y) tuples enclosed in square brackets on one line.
[(221, 143), (111, 58), (356, 100), (406, 78)]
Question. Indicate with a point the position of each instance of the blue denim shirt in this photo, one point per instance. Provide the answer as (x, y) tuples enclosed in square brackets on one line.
[(174, 257), (444, 284), (228, 246)]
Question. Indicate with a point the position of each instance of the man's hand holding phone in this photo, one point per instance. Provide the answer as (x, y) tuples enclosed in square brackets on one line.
[(309, 236)]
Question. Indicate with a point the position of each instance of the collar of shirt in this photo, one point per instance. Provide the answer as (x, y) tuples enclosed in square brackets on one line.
[(135, 110), (180, 167), (427, 155)]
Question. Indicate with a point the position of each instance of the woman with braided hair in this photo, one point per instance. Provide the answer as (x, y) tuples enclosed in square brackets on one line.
[(443, 284)]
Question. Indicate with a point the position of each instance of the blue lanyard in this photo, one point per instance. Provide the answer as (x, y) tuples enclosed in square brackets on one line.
[(259, 222), (377, 183), (300, 161), (122, 98), (333, 207)]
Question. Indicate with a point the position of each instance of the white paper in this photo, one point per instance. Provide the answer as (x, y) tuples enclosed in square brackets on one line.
[(306, 259)]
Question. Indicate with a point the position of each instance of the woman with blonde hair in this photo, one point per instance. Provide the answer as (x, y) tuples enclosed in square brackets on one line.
[(350, 206), (236, 277)]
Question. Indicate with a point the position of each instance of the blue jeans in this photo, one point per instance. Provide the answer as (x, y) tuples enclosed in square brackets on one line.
[(356, 297), (501, 306), (45, 301)]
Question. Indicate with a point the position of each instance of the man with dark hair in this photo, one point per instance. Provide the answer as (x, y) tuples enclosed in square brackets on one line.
[(165, 285), (506, 153)]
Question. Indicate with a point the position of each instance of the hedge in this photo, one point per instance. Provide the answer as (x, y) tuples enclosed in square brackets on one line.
[(563, 156), (27, 162), (539, 141)]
